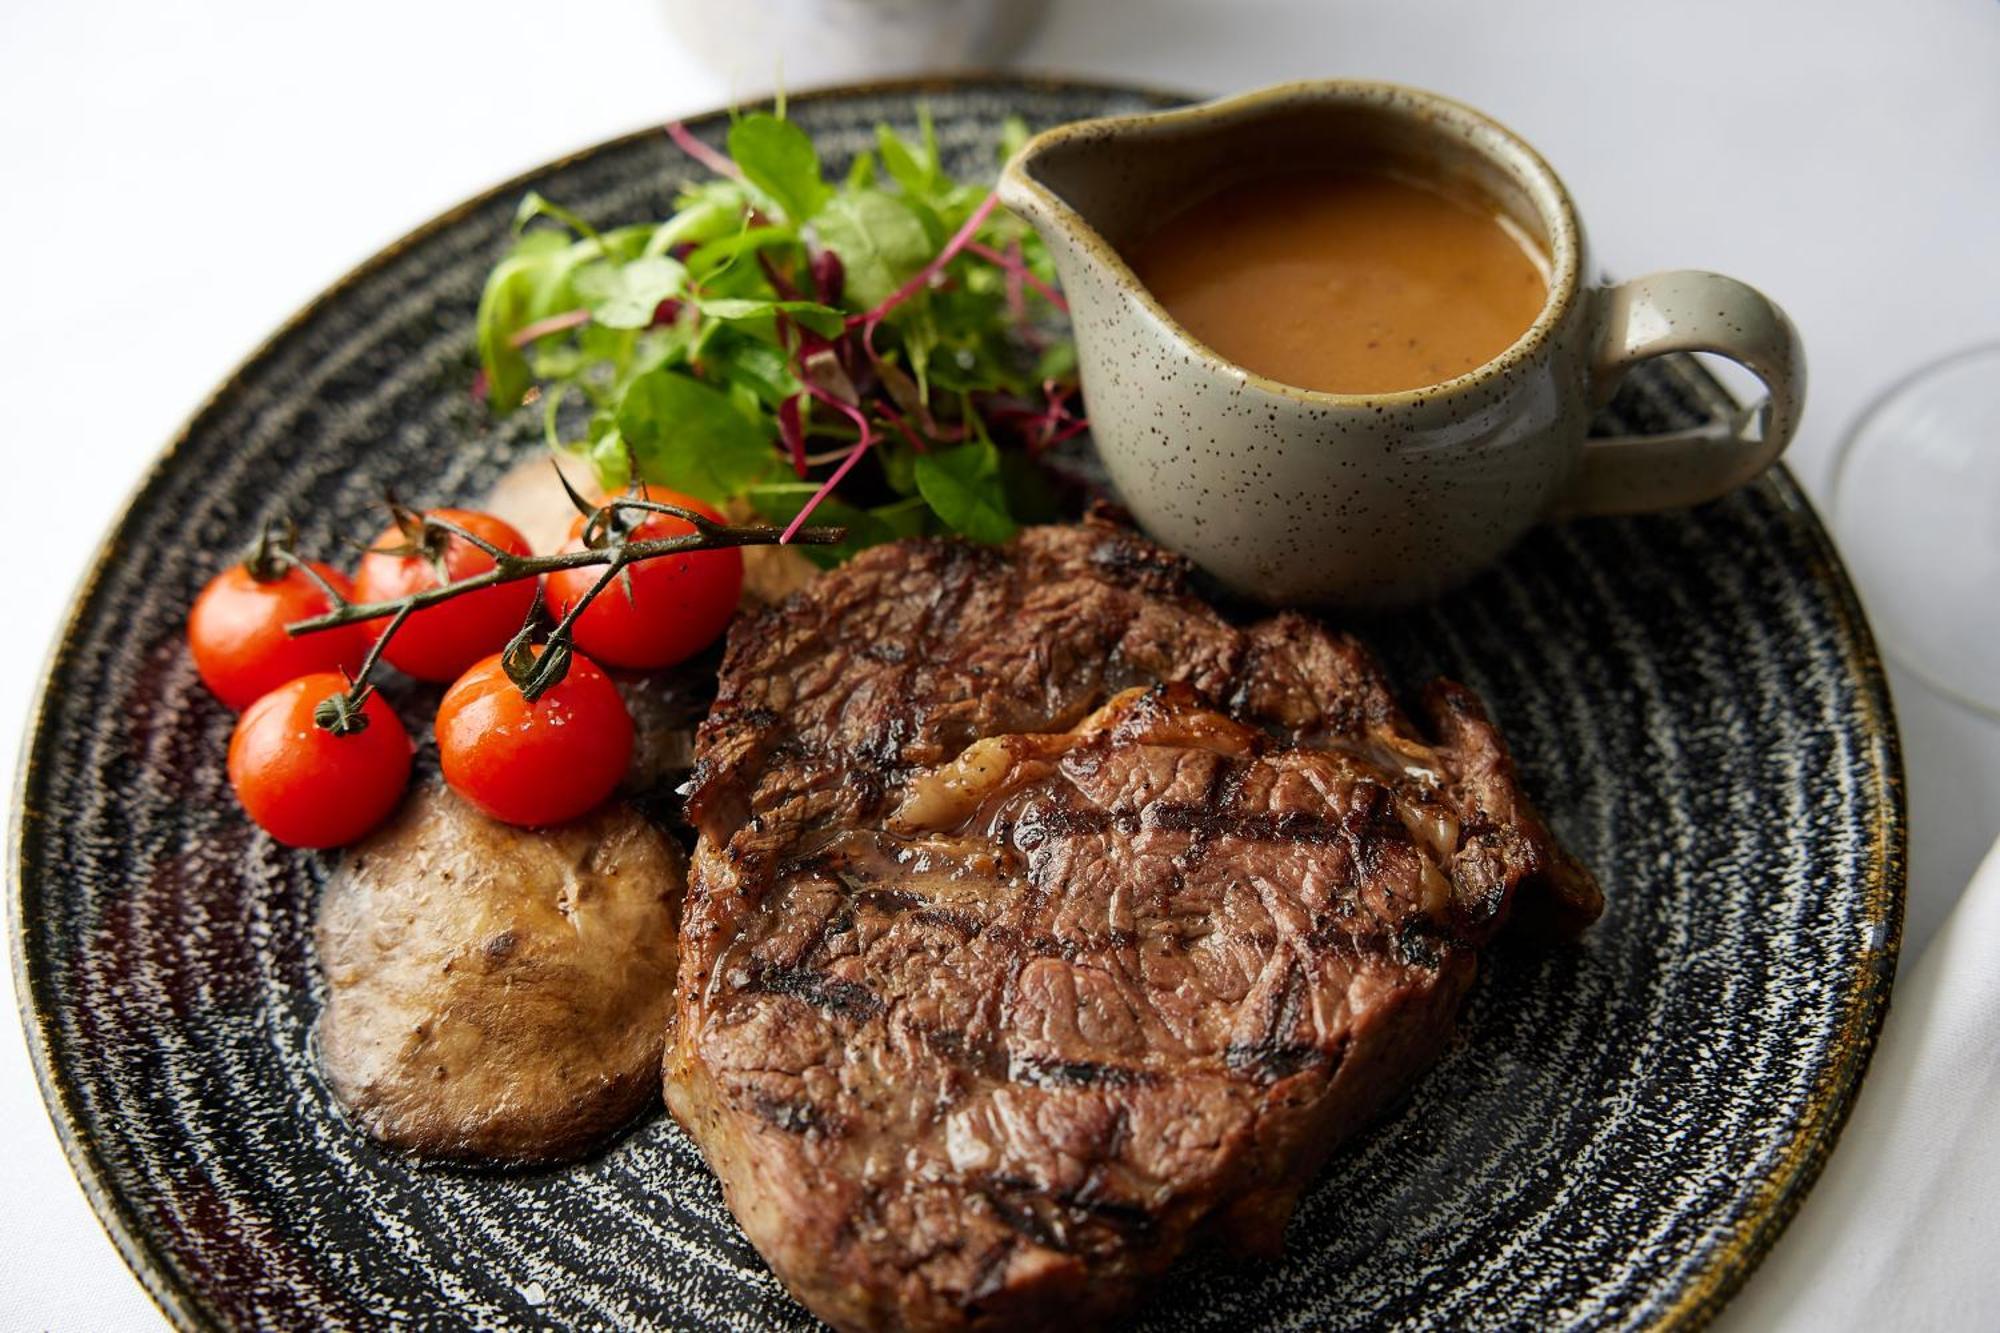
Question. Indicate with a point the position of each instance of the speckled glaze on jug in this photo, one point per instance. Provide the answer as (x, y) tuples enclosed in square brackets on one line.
[(1292, 495)]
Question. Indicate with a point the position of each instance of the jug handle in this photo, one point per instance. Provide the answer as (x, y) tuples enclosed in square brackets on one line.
[(1687, 311)]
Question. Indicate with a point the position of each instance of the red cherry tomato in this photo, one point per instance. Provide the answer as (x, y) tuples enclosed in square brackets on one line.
[(539, 762), (441, 641), (236, 631), (677, 605), (306, 786)]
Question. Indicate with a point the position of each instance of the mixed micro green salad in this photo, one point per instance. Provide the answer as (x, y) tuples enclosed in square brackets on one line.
[(873, 351)]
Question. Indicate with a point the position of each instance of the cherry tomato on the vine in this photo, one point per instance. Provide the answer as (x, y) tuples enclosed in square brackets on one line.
[(307, 786), (676, 604), (533, 762), (439, 642), (236, 631)]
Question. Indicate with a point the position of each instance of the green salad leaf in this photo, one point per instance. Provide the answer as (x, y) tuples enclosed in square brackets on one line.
[(625, 296), (963, 487), (821, 319), (683, 429), (778, 158), (880, 240)]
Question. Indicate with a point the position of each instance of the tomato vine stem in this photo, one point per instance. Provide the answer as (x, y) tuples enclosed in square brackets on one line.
[(605, 544), (508, 568)]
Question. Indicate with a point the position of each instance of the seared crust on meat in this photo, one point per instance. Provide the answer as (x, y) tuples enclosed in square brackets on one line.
[(1042, 923)]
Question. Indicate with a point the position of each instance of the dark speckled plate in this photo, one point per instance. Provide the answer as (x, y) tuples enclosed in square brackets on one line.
[(1621, 1132)]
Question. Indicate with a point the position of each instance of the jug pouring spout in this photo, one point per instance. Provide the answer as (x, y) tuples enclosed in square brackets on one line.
[(1094, 188), (1051, 183)]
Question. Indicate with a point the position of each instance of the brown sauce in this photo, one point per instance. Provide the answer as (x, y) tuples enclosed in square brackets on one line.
[(1346, 282)]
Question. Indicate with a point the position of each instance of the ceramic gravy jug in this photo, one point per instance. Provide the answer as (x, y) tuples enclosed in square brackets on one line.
[(1295, 495)]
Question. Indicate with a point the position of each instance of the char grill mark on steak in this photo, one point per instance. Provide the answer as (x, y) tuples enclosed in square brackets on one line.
[(847, 999), (1013, 963), (1044, 1072)]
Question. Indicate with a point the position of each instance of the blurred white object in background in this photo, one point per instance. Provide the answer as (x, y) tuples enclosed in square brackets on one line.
[(759, 45), (1916, 505)]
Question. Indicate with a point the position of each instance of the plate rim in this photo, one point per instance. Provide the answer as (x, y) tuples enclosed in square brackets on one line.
[(1704, 1291)]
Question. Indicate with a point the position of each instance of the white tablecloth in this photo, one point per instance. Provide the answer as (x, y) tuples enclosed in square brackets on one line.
[(179, 178)]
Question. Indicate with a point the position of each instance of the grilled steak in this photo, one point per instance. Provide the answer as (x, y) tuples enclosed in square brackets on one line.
[(1043, 923)]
